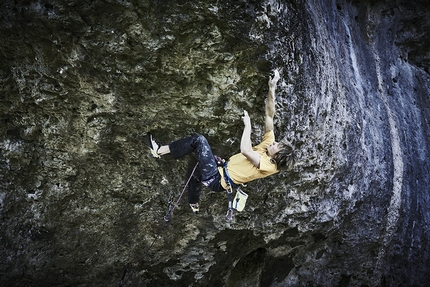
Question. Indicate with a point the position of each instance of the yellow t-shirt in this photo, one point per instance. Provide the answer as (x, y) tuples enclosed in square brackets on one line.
[(241, 170)]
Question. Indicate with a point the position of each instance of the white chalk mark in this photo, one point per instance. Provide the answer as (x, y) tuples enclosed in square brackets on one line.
[(395, 203)]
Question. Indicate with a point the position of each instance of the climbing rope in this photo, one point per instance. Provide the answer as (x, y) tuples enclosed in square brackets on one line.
[(166, 218)]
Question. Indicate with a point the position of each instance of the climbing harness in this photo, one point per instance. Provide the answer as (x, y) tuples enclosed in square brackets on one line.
[(227, 178), (171, 208)]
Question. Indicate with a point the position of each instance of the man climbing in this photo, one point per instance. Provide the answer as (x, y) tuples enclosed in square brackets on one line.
[(251, 163)]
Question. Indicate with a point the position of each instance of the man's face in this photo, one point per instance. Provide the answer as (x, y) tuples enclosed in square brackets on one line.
[(272, 149)]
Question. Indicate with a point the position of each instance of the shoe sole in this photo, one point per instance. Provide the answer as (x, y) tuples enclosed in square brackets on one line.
[(153, 153), (195, 210)]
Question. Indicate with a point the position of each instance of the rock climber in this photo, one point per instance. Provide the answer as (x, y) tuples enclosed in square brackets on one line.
[(251, 163)]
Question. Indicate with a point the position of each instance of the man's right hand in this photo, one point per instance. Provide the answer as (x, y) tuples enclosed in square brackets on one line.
[(246, 119)]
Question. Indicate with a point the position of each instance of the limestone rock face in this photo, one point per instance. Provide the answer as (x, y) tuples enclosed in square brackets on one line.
[(82, 82)]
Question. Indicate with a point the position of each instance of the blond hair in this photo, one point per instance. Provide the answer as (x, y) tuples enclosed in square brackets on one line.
[(285, 157)]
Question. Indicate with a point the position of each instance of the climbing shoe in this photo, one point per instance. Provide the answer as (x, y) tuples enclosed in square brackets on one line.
[(195, 207), (153, 145)]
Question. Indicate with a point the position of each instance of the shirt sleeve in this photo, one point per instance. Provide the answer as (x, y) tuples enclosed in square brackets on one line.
[(268, 138)]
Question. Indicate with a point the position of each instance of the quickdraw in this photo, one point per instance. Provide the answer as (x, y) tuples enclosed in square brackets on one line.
[(229, 215)]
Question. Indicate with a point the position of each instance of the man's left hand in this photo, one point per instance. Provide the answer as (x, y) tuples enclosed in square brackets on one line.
[(273, 81)]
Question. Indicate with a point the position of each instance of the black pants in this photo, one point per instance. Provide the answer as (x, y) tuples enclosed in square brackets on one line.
[(207, 170)]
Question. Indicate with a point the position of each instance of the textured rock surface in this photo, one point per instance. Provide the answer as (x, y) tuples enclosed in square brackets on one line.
[(81, 83)]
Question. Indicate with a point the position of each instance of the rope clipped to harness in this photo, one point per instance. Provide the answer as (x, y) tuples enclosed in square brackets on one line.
[(169, 213), (169, 210)]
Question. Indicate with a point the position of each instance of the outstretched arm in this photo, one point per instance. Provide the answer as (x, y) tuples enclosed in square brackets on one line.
[(270, 102), (245, 143)]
